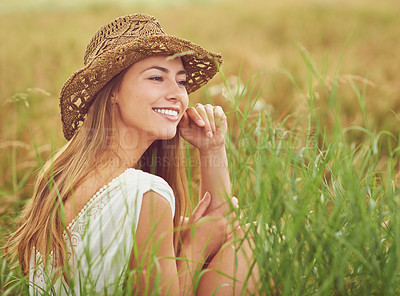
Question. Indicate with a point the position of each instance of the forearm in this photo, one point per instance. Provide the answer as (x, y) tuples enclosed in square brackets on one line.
[(189, 266), (214, 175)]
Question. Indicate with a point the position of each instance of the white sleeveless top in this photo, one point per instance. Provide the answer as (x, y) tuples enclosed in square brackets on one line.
[(102, 237)]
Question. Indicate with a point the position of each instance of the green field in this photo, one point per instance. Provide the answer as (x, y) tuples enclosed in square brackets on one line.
[(312, 94)]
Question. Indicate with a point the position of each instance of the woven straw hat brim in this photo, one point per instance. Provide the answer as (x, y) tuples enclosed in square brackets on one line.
[(79, 90)]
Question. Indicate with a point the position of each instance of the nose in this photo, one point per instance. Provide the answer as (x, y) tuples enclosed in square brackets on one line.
[(175, 92)]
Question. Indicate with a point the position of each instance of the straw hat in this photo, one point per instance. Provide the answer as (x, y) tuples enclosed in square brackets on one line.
[(119, 44)]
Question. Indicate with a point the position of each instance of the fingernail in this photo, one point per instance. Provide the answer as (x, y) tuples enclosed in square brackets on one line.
[(201, 122), (235, 202), (209, 134)]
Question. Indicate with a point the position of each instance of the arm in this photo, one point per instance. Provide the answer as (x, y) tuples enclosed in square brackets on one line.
[(214, 175), (205, 128), (189, 264), (202, 239), (154, 237)]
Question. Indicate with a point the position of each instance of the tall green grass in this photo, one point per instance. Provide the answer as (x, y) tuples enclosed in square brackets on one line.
[(322, 207), (320, 201)]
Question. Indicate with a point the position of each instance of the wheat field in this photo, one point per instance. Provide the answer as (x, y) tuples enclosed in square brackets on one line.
[(313, 99)]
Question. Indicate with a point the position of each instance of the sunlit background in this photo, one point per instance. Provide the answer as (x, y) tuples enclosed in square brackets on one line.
[(268, 43), (319, 61)]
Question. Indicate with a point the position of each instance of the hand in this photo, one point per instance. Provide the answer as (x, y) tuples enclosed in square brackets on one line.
[(204, 126), (206, 233)]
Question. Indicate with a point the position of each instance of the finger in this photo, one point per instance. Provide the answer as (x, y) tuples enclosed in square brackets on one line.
[(207, 128), (195, 116), (225, 208), (220, 211), (219, 115), (184, 123), (220, 119), (233, 226), (210, 115), (231, 229), (235, 202), (231, 216), (201, 208), (232, 208), (229, 236)]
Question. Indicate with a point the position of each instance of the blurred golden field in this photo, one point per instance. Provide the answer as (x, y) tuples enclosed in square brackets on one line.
[(42, 43), (328, 66)]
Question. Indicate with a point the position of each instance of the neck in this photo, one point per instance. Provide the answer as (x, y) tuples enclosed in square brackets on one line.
[(130, 146)]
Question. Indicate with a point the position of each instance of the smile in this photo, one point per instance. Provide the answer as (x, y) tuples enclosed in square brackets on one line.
[(169, 114)]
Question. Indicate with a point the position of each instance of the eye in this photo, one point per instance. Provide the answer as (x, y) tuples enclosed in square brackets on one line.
[(182, 83), (157, 78)]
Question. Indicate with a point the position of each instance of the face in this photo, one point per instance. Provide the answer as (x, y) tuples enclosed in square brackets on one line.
[(151, 99)]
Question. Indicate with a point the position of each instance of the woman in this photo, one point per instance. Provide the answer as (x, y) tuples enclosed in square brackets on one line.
[(123, 114)]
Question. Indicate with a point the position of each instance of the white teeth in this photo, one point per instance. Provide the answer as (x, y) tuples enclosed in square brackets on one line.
[(167, 112)]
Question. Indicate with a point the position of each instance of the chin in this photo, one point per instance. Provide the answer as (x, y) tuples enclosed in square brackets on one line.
[(167, 134)]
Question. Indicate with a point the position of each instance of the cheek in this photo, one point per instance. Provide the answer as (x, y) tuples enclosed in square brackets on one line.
[(185, 102)]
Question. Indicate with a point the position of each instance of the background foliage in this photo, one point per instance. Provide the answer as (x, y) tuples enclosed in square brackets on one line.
[(311, 91)]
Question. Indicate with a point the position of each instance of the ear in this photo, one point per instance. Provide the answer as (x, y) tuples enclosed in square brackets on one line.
[(113, 97)]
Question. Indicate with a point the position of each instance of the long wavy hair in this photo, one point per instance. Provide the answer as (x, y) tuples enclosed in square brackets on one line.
[(41, 224)]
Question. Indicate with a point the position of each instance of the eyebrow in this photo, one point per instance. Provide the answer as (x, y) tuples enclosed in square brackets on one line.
[(165, 70)]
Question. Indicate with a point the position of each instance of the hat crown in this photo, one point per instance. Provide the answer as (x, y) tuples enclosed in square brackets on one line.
[(121, 31)]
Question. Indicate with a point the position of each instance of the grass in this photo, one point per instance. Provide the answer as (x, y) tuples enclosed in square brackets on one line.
[(313, 146), (330, 204)]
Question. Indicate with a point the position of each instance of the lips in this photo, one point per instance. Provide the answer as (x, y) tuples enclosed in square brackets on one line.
[(168, 113)]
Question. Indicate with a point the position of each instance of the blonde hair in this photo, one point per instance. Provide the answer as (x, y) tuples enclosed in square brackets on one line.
[(41, 224)]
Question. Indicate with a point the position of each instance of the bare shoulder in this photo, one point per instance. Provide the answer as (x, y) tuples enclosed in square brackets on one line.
[(155, 225), (155, 222), (156, 208)]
